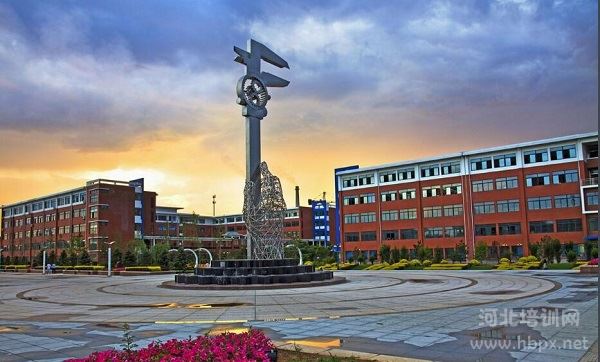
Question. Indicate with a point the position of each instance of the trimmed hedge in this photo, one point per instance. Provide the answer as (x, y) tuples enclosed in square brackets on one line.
[(148, 268), (19, 266), (88, 267), (447, 267)]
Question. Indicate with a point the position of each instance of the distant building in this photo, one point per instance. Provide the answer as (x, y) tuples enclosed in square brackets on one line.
[(100, 211), (505, 197)]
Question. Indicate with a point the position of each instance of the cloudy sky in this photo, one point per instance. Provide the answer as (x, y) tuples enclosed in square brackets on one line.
[(126, 89)]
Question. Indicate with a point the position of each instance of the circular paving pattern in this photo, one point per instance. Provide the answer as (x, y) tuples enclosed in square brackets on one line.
[(141, 299)]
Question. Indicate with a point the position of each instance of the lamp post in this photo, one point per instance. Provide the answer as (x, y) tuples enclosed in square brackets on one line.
[(109, 257)]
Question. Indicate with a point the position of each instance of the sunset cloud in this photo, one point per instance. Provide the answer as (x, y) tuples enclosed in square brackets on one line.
[(117, 88)]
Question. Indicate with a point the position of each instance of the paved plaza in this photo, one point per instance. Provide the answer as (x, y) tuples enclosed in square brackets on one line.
[(448, 316)]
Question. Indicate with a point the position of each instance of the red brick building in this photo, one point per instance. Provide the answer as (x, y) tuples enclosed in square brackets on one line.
[(101, 211), (504, 196)]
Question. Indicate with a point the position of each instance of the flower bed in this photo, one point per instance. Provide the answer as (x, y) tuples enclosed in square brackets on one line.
[(248, 346)]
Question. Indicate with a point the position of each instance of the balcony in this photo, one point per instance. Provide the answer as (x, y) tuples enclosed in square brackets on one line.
[(593, 181)]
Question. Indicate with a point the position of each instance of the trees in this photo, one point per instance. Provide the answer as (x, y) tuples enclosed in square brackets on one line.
[(63, 258), (550, 248), (481, 250), (160, 255), (372, 258), (129, 258), (438, 255), (39, 260), (384, 253), (461, 251), (52, 257), (589, 246), (396, 255), (84, 258), (534, 249), (403, 253), (116, 257)]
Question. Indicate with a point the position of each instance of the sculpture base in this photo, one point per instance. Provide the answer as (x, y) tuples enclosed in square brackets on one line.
[(254, 272)]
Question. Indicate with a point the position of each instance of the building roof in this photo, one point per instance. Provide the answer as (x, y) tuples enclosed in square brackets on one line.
[(481, 151)]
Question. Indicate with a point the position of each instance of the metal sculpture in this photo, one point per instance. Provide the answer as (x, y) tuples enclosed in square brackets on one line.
[(253, 95), (264, 221)]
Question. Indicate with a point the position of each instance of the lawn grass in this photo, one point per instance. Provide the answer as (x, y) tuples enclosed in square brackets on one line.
[(293, 356), (562, 266)]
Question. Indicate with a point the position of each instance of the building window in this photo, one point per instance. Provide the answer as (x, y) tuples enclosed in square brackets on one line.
[(94, 228), (538, 227), (94, 196), (407, 194), (505, 160), (568, 225), (485, 230), (483, 185), (408, 234), (563, 201), (366, 180), (350, 200), (432, 233), (367, 217), (454, 231), (506, 183), (390, 234), (535, 156), (431, 191), (563, 152), (507, 206), (388, 196), (482, 163), (93, 212), (539, 203), (593, 223), (408, 214), (449, 168), (434, 211), (368, 236), (389, 215), (484, 207), (510, 228), (563, 177), (367, 198), (537, 179), (351, 237), (406, 174), (387, 176), (351, 219), (430, 170), (350, 181), (453, 210), (452, 189), (592, 198)]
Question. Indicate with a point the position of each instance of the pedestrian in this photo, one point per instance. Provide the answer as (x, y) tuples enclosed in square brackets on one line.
[(53, 268), (49, 268)]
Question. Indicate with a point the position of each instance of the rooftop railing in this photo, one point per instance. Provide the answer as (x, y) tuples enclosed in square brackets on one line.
[(592, 181)]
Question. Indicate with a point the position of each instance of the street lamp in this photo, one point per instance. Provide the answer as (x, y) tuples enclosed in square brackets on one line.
[(109, 257)]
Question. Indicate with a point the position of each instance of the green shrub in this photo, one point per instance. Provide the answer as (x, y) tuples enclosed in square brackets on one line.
[(395, 266), (474, 262), (308, 262), (143, 268), (403, 261), (415, 262), (522, 259), (444, 261), (571, 256), (531, 258), (505, 261), (426, 262)]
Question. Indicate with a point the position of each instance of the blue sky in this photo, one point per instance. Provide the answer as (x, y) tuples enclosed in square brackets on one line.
[(89, 85)]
